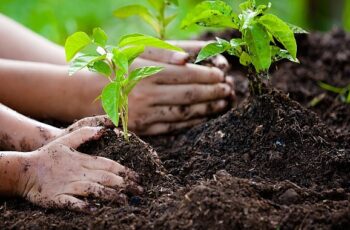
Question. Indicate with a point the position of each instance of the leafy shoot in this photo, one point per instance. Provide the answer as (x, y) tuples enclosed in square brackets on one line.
[(113, 62), (265, 38), (156, 17)]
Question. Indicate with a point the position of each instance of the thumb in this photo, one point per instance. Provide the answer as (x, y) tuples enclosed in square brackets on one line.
[(165, 56), (80, 136), (96, 121)]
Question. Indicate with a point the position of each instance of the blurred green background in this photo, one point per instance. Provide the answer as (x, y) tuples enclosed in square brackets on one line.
[(56, 19)]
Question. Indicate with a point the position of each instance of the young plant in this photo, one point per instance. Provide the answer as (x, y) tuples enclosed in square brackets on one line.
[(113, 62), (343, 93), (265, 38), (156, 17)]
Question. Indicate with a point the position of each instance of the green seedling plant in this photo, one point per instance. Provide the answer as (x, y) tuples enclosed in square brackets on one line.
[(113, 62), (342, 92), (156, 17), (264, 39)]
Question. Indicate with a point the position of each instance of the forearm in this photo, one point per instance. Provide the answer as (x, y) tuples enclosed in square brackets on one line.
[(46, 91), (12, 170), (20, 133), (19, 43)]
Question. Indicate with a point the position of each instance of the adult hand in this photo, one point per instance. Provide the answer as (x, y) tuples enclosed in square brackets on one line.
[(56, 174), (180, 96)]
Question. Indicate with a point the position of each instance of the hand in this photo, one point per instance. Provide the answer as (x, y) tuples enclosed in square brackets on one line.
[(56, 174), (180, 96)]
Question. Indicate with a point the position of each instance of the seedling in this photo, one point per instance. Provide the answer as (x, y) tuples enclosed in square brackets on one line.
[(343, 93), (113, 62), (265, 38), (156, 17)]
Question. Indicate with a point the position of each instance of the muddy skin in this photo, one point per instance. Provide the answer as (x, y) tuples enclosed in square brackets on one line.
[(44, 134), (6, 143)]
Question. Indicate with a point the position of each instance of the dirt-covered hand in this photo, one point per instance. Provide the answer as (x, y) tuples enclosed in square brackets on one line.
[(178, 97), (56, 175)]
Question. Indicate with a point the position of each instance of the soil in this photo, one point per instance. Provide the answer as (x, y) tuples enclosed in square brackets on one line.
[(272, 163)]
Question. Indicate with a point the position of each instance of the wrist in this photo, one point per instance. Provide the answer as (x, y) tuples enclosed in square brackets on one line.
[(14, 168)]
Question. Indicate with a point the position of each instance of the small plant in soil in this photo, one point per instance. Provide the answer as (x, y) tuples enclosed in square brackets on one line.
[(264, 38), (156, 17), (113, 62), (343, 93)]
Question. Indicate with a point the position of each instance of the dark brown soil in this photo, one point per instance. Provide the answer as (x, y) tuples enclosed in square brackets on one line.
[(271, 164)]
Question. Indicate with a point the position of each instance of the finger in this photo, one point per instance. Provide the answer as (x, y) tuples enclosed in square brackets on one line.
[(97, 121), (184, 112), (190, 94), (231, 82), (80, 136), (221, 63), (86, 189), (162, 128), (104, 178), (105, 164), (165, 56), (190, 46), (70, 202), (186, 74)]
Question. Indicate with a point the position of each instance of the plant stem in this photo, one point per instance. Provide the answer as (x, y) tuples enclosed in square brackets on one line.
[(161, 23), (124, 117), (255, 84)]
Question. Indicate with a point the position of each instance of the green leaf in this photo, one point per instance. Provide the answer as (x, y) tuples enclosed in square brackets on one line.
[(330, 88), (101, 67), (140, 39), (245, 59), (111, 97), (76, 43), (137, 10), (169, 19), (157, 4), (213, 49), (139, 74), (175, 2), (297, 29), (250, 4), (120, 60), (133, 52), (211, 14), (281, 31), (258, 43), (278, 54), (100, 37), (82, 62)]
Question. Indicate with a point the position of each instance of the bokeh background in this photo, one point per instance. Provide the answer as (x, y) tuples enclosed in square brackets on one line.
[(56, 19)]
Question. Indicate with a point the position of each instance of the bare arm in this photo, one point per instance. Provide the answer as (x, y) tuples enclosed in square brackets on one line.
[(19, 43), (46, 91), (21, 133)]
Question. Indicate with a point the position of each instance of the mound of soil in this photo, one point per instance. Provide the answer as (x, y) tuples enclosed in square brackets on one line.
[(271, 164), (272, 137), (323, 58)]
